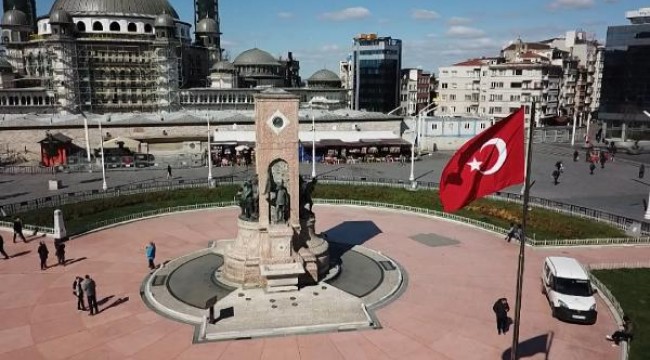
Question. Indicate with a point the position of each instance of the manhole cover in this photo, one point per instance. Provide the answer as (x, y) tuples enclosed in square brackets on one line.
[(248, 299), (241, 294)]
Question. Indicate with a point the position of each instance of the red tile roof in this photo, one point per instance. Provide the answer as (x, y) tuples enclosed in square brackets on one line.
[(470, 62)]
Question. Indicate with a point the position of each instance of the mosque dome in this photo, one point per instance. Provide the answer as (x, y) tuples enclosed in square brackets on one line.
[(164, 20), (115, 7), (15, 18), (324, 75), (255, 57), (207, 26), (60, 17)]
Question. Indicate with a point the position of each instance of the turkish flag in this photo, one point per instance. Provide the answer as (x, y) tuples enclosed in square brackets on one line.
[(489, 162)]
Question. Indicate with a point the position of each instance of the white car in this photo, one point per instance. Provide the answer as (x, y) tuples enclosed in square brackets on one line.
[(568, 289)]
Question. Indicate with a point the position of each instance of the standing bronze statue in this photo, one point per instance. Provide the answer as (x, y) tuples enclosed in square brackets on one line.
[(306, 201), (246, 200)]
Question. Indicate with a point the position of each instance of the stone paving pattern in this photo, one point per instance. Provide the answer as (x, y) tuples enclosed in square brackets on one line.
[(445, 313)]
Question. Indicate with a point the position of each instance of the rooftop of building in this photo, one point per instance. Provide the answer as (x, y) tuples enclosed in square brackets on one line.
[(255, 56), (529, 46), (115, 7), (640, 16), (181, 118), (324, 75)]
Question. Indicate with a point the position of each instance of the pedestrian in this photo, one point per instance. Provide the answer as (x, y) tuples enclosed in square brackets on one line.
[(575, 155), (599, 134), (150, 250), (625, 334), (18, 229), (169, 171), (501, 309), (2, 248), (59, 251), (592, 167), (43, 253), (519, 233), (603, 159), (88, 286), (78, 291), (641, 171), (556, 175), (511, 232), (559, 166)]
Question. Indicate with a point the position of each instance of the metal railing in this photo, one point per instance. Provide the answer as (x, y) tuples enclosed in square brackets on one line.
[(33, 228)]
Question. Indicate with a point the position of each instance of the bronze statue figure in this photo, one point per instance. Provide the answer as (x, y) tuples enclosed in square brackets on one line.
[(246, 200), (306, 201)]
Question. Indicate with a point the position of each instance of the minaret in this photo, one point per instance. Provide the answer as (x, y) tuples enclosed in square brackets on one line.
[(208, 9)]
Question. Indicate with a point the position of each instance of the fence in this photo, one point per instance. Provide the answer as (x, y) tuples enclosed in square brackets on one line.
[(557, 135)]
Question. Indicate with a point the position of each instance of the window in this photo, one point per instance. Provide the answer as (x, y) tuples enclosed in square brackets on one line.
[(468, 110), (482, 125), (515, 85), (468, 97), (517, 72), (434, 126), (148, 28), (443, 85), (97, 26), (467, 125), (81, 26), (132, 27), (115, 26), (452, 97)]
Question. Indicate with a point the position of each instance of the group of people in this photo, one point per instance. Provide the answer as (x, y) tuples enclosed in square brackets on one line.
[(515, 232), (44, 253), (86, 286)]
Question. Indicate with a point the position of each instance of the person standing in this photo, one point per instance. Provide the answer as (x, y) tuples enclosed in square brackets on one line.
[(78, 291), (592, 167), (43, 253), (556, 175), (169, 171), (603, 159), (18, 229), (59, 251), (511, 232), (88, 286), (519, 233), (575, 155), (2, 248), (150, 250), (626, 334), (641, 171), (501, 309)]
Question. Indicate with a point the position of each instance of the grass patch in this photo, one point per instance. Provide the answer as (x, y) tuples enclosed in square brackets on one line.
[(543, 224), (630, 287)]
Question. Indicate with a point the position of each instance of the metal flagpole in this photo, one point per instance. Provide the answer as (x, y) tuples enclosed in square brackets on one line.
[(522, 241)]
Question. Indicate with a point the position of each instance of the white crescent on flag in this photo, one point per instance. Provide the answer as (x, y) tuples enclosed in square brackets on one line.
[(503, 155)]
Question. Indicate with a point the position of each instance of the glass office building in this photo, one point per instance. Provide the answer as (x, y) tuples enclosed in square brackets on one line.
[(377, 65), (625, 91)]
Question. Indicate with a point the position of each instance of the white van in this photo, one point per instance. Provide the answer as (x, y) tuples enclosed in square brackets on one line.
[(568, 290)]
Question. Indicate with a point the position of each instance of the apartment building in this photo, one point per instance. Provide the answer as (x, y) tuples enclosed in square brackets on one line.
[(414, 91), (459, 87)]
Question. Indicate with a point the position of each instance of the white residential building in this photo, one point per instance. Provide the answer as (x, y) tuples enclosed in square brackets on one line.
[(414, 91), (459, 87)]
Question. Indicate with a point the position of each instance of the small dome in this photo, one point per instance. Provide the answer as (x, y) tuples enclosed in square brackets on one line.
[(255, 57), (60, 17), (223, 66), (164, 20), (5, 66), (324, 75), (207, 26), (15, 18)]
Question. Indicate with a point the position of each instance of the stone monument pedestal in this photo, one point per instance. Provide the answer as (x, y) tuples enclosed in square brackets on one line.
[(242, 264), (313, 249)]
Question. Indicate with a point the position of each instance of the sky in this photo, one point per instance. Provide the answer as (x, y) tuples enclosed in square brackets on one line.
[(434, 33)]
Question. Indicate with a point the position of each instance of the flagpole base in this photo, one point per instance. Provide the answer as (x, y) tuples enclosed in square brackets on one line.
[(413, 187)]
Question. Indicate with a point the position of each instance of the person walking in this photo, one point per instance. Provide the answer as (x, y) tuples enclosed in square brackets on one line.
[(603, 159), (575, 155), (169, 171), (43, 253), (89, 287), (556, 176), (59, 251), (2, 248), (501, 308), (519, 233), (18, 229), (150, 250), (511, 232), (592, 167), (625, 334), (599, 134), (78, 291), (641, 171)]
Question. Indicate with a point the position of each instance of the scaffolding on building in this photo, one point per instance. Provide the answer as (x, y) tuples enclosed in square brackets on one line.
[(63, 53), (168, 67), (117, 76)]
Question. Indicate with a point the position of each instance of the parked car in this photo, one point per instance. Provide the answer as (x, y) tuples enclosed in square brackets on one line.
[(567, 287)]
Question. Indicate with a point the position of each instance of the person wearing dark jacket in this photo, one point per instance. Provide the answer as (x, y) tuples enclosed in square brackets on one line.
[(59, 251), (78, 291), (501, 309), (626, 334), (2, 248), (18, 229), (43, 253)]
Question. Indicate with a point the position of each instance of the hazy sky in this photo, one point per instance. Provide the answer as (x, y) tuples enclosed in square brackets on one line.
[(434, 33)]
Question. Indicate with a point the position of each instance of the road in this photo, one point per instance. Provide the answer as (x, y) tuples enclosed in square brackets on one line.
[(615, 189)]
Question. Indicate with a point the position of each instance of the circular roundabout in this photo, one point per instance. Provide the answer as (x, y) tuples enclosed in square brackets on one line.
[(441, 310)]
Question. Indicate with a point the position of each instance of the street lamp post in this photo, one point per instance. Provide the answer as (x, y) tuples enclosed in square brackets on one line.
[(207, 117), (414, 184), (313, 142), (87, 140), (101, 143), (427, 109)]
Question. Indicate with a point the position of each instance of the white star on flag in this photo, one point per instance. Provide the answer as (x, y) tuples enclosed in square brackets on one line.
[(475, 165)]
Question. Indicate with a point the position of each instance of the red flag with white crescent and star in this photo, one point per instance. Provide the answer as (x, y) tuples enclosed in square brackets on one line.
[(487, 163)]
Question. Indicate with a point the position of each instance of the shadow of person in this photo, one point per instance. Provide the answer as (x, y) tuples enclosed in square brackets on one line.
[(19, 254), (115, 303), (540, 344), (508, 324), (105, 300), (72, 261), (225, 314)]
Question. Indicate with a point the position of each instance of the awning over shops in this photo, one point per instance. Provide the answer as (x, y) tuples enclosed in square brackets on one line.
[(323, 138)]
